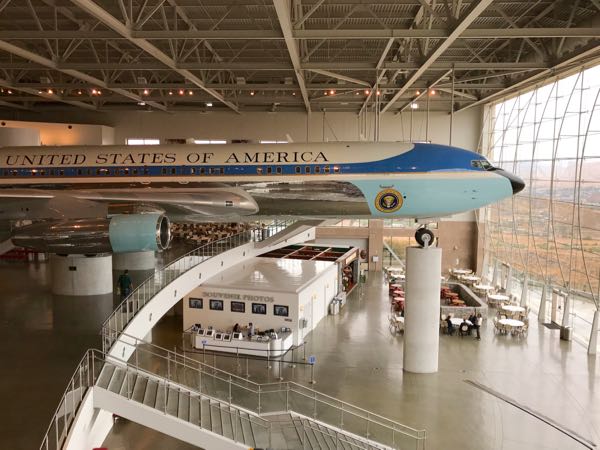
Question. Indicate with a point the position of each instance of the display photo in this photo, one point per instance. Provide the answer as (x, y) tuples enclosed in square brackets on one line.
[(196, 303), (239, 307), (216, 305), (259, 308), (281, 310)]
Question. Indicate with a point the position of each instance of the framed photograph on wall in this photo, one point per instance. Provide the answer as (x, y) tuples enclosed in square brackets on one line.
[(281, 310), (216, 305), (196, 303), (239, 307), (259, 308)]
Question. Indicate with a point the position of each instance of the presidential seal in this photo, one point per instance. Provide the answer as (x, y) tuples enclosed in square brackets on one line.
[(388, 201)]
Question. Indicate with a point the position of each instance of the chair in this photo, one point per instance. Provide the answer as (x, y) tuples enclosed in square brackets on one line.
[(464, 330)]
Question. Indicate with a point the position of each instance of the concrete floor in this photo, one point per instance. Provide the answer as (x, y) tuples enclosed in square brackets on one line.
[(358, 360)]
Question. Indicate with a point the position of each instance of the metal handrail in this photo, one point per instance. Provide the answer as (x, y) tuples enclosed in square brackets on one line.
[(252, 235), (84, 363), (263, 389)]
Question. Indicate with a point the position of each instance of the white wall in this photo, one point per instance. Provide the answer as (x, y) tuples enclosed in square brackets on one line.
[(225, 320), (315, 299), (261, 125), (11, 136), (65, 133)]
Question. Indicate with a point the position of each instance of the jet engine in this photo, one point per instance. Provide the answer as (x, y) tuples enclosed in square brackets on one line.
[(118, 234)]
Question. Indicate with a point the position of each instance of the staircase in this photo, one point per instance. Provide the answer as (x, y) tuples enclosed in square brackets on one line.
[(196, 402)]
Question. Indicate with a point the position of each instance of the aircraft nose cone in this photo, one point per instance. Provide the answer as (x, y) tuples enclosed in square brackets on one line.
[(516, 182)]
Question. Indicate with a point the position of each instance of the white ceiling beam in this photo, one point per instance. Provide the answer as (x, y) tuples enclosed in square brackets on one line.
[(13, 105), (426, 90), (107, 19), (282, 8), (38, 59), (44, 94), (380, 73), (471, 15), (572, 63), (327, 73), (309, 13), (245, 35)]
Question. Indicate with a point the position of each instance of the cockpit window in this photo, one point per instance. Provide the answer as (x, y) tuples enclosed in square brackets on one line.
[(481, 164)]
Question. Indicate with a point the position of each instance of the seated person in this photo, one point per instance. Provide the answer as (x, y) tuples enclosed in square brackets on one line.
[(464, 328), (250, 329), (450, 326), (237, 328)]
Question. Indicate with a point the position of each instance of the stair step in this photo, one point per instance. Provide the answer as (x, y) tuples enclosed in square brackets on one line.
[(236, 424), (150, 394), (160, 397), (260, 433), (215, 418), (310, 435), (139, 389), (226, 422), (105, 376), (183, 411), (116, 380), (247, 430), (195, 411), (299, 431), (128, 384), (205, 416), (172, 401), (289, 435), (328, 436)]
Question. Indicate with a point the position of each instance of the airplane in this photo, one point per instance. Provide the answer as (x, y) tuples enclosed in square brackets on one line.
[(121, 198)]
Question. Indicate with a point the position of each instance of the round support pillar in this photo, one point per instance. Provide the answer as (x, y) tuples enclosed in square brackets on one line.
[(80, 275), (422, 309), (133, 261)]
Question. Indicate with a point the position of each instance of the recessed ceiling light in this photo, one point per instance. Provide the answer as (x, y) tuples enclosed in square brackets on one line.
[(209, 104), (190, 92), (170, 92)]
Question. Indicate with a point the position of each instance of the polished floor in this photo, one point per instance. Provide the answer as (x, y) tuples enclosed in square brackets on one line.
[(358, 360)]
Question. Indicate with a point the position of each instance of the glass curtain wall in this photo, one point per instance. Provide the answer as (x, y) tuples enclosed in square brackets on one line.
[(550, 232)]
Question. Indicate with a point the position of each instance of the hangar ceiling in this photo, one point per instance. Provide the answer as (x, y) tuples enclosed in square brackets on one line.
[(278, 55)]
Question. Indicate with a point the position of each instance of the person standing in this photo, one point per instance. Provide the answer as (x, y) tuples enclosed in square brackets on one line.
[(475, 324), (124, 283)]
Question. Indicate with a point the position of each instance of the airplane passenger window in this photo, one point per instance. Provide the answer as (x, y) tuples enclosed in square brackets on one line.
[(134, 171), (202, 171), (279, 170), (89, 172), (42, 172), (62, 172), (298, 169), (164, 171), (336, 169), (192, 171), (126, 171), (326, 169), (259, 170), (146, 171), (317, 169), (269, 170), (79, 172), (173, 171), (307, 169), (222, 171)]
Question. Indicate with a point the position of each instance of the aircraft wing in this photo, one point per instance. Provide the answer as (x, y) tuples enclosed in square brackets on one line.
[(190, 203)]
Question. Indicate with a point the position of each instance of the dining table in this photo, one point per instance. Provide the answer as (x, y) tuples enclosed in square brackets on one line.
[(461, 271), (513, 323), (513, 308), (497, 298), (456, 321), (483, 287)]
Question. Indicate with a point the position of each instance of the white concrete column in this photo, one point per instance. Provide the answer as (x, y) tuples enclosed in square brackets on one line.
[(422, 309), (525, 291), (508, 285), (567, 307), (495, 273), (543, 301), (133, 261), (593, 344), (81, 275)]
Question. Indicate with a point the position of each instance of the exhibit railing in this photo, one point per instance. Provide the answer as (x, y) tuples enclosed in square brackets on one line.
[(160, 279), (270, 398)]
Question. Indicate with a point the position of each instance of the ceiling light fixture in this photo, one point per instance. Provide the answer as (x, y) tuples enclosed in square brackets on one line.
[(146, 91), (50, 91), (418, 92), (170, 92), (367, 92), (432, 92), (209, 104), (190, 92), (414, 105), (181, 92), (252, 93), (331, 92)]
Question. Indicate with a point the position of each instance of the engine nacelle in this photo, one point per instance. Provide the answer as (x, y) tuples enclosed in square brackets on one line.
[(119, 234)]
